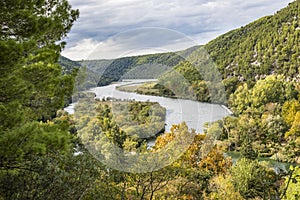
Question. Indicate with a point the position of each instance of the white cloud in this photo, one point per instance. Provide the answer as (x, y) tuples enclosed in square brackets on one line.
[(201, 19), (142, 41), (81, 50)]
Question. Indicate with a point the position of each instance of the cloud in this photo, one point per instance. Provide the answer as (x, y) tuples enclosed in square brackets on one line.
[(202, 20), (81, 50), (141, 41)]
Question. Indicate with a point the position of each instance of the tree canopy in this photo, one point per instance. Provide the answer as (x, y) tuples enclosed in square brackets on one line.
[(33, 87)]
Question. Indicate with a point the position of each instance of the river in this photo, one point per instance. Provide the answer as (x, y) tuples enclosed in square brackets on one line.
[(194, 113)]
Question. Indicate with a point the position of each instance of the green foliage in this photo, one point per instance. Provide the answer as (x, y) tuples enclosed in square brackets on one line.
[(33, 138), (292, 184), (222, 188), (247, 150), (125, 124), (268, 45), (33, 87), (295, 129), (266, 114), (273, 128), (68, 65), (52, 176), (289, 110), (29, 54), (253, 180), (42, 22), (146, 71), (272, 89)]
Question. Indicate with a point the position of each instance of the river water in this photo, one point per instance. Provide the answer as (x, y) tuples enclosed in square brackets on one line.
[(194, 113)]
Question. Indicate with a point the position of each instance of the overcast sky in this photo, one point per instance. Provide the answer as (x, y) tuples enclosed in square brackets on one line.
[(116, 28)]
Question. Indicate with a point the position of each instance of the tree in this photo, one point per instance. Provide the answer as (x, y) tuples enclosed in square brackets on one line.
[(215, 162), (249, 128), (293, 138), (240, 100), (292, 184), (32, 88), (273, 128), (44, 22), (272, 89), (289, 110), (253, 180), (222, 188), (31, 40)]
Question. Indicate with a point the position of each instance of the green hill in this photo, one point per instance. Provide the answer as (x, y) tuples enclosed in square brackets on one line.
[(144, 66), (267, 46)]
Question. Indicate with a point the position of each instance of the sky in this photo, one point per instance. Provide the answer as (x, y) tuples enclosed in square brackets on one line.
[(108, 29)]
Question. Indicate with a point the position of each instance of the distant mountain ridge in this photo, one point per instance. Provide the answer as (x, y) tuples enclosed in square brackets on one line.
[(143, 66)]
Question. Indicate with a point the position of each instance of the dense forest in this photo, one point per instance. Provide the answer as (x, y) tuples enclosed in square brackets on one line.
[(45, 152)]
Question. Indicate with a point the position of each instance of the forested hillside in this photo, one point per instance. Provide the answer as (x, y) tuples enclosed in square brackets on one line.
[(269, 45)]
